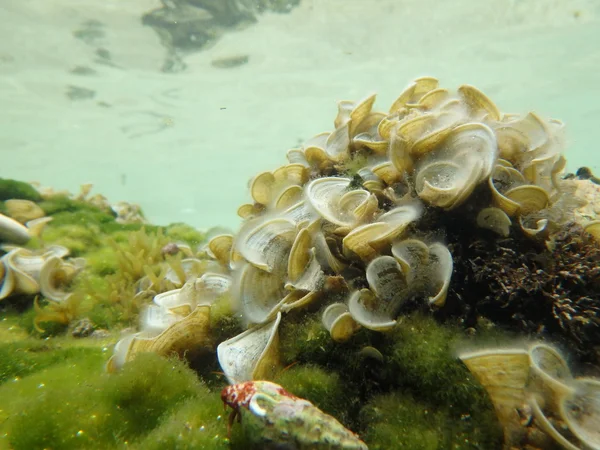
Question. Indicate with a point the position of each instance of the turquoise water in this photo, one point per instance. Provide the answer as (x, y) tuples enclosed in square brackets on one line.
[(89, 94)]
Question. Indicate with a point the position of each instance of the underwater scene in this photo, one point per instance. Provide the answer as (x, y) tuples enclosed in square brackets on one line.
[(300, 224)]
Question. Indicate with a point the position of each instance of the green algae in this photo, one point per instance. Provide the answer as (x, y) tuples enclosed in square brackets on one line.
[(417, 389), (22, 358), (410, 381), (325, 389), (199, 423), (91, 409), (13, 189)]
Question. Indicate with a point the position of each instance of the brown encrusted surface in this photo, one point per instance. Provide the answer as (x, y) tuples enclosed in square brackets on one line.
[(522, 285)]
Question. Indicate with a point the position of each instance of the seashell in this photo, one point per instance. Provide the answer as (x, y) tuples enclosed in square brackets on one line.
[(299, 255), (539, 171), (556, 172), (328, 147), (261, 295), (446, 183), (593, 228), (195, 292), (371, 182), (360, 112), (13, 231), (54, 273), (439, 268), (494, 219), (291, 173), (261, 187), (550, 376), (397, 220), (188, 334), (360, 202), (25, 268), (412, 255), (155, 319), (387, 279), (324, 255), (387, 172), (412, 129), (274, 418), (370, 352), (8, 280), (508, 178), (23, 210), (433, 98), (330, 198), (366, 239), (265, 243), (358, 241), (431, 140), (251, 355), (299, 213), (338, 321), (345, 107), (212, 285), (581, 411), (120, 352), (546, 426), (367, 310), (366, 210), (288, 197), (414, 92), (399, 154), (312, 277), (220, 248), (428, 269), (478, 102), (503, 373), (533, 229), (177, 301), (387, 126), (248, 211), (530, 198), (442, 183), (296, 156), (512, 143), (371, 141)]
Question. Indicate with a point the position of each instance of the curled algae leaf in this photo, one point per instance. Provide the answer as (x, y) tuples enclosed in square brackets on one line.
[(539, 378), (252, 355)]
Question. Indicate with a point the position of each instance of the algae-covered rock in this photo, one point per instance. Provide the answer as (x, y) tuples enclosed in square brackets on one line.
[(13, 189), (93, 410)]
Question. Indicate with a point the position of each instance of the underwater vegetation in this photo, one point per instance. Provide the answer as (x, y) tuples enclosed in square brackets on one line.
[(372, 298)]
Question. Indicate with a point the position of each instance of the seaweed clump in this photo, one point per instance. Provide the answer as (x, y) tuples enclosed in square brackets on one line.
[(536, 289)]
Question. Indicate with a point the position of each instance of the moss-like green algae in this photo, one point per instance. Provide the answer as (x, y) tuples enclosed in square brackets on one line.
[(54, 392)]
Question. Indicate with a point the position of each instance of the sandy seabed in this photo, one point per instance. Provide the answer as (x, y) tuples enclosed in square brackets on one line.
[(185, 145)]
